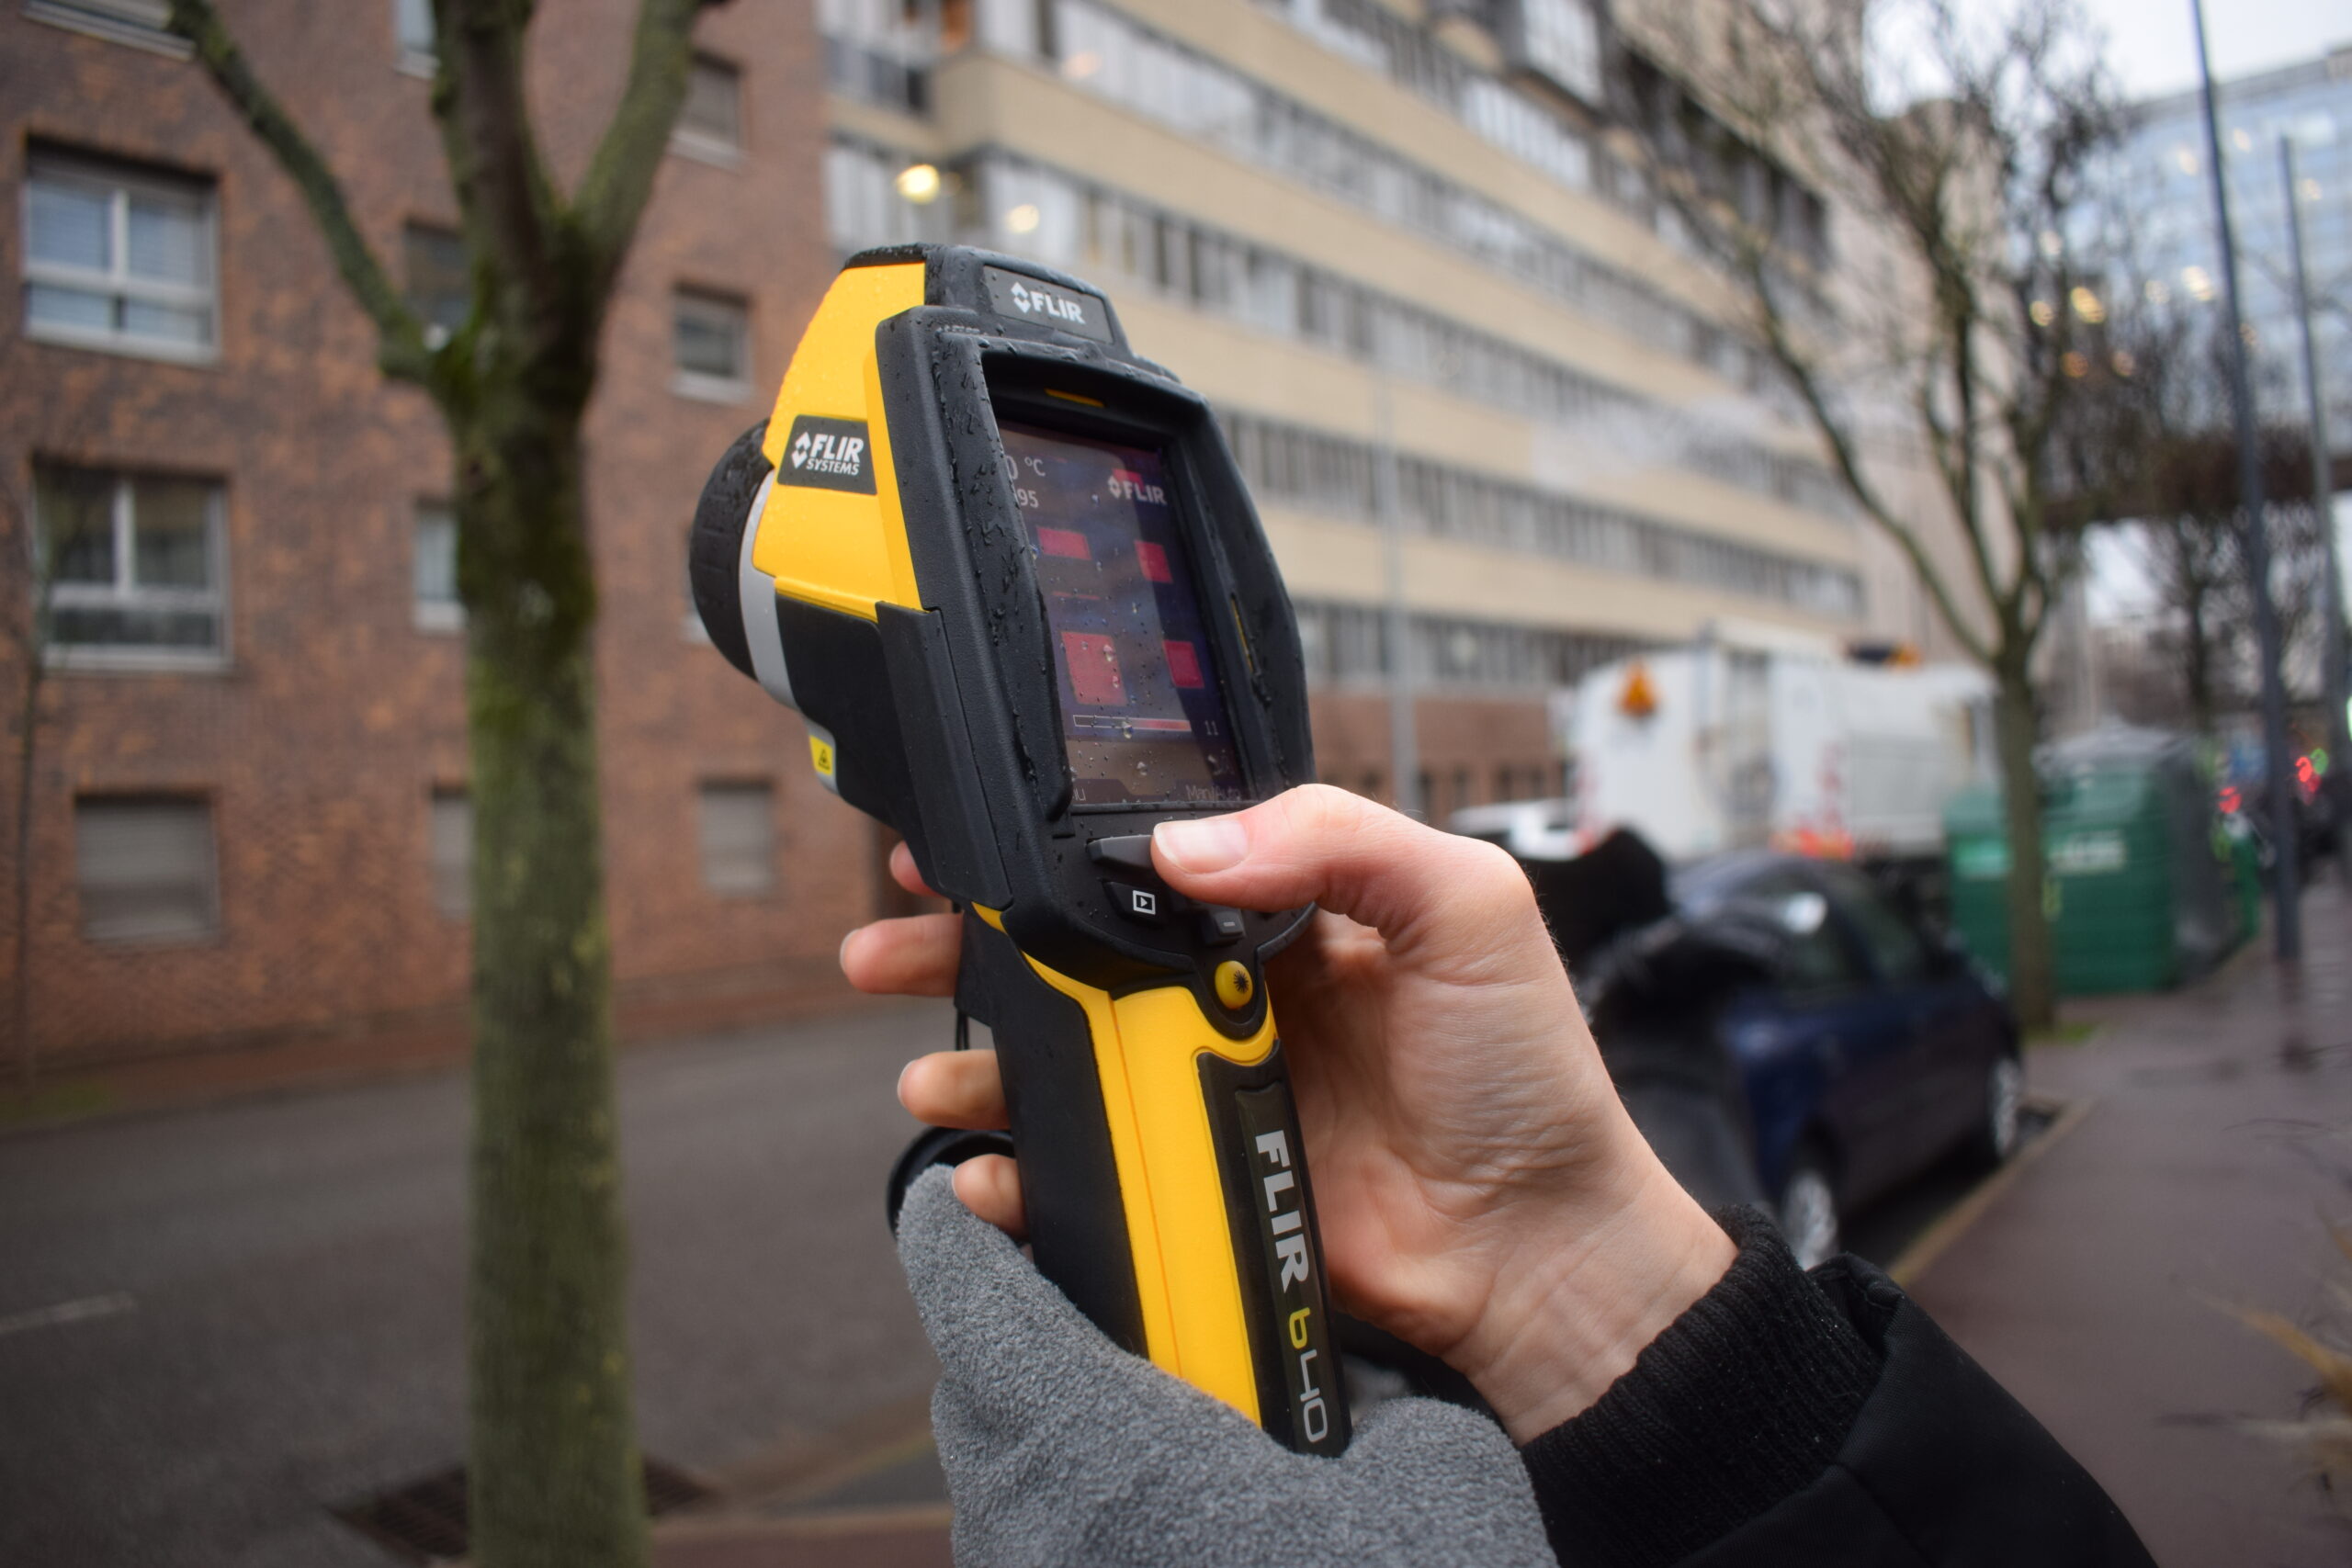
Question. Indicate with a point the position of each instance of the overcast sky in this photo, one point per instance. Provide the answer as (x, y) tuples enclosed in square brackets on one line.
[(2153, 52)]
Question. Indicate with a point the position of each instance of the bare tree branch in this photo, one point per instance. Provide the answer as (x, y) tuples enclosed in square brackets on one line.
[(400, 349), (619, 180), (506, 201)]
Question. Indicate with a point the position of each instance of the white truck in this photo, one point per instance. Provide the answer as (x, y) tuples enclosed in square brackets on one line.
[(1760, 739)]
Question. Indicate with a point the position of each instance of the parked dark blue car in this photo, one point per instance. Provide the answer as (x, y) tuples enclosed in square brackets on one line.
[(1863, 1052)]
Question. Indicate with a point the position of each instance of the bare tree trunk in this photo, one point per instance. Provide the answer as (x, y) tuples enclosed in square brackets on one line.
[(2199, 672), (554, 1464), (2032, 991)]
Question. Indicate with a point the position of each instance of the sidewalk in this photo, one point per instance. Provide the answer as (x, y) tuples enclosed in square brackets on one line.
[(2216, 1145)]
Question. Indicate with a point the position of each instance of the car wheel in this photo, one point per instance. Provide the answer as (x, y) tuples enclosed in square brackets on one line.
[(1996, 1128), (1809, 1210)]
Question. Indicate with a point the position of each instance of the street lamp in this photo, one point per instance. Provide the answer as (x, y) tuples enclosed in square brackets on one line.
[(2284, 886)]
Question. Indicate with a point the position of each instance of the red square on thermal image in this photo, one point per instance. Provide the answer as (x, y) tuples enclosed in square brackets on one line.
[(1067, 542), (1154, 558), (1093, 668), (1184, 663)]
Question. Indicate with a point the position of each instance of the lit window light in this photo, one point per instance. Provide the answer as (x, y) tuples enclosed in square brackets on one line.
[(1024, 219), (2043, 313), (2199, 282), (919, 183), (2051, 245), (2076, 363), (2184, 158), (2241, 140), (2157, 292), (1081, 65), (2086, 305), (2123, 363), (2308, 190)]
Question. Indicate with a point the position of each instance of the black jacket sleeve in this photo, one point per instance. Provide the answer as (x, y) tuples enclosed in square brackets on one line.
[(1822, 1420)]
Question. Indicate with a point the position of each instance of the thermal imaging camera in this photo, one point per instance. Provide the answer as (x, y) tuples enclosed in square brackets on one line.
[(1008, 573)]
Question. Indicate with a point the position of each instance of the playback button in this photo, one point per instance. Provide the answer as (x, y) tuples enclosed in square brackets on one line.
[(1146, 906)]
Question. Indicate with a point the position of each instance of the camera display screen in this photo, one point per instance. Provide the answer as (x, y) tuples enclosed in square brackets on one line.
[(1144, 718)]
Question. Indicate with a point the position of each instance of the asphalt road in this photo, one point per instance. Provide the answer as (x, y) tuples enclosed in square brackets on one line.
[(215, 1323)]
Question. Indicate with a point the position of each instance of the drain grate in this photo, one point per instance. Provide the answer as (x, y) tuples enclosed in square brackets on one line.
[(425, 1521)]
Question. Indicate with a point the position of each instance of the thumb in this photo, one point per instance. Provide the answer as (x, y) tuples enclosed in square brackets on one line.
[(1378, 867)]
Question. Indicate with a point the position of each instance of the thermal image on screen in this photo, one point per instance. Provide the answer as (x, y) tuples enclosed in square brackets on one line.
[(1143, 714)]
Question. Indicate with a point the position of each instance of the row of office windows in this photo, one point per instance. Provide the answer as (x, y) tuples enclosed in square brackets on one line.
[(1681, 128), (1349, 645), (1109, 53), (879, 50), (1332, 473), (146, 867), (133, 566), (1070, 222), (125, 258)]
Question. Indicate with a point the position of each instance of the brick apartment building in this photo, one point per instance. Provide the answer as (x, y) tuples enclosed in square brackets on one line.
[(248, 813)]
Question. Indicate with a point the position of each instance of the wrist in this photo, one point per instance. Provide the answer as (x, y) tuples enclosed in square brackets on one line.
[(1583, 1288)]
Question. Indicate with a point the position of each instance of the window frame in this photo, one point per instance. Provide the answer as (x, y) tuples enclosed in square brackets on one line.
[(701, 386), (118, 283), (214, 927), (699, 145), (408, 56), (460, 910), (113, 21), (770, 884), (125, 593), (440, 618)]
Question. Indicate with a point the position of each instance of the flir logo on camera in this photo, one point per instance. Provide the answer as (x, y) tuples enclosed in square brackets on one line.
[(1025, 299), (1128, 485), (829, 454)]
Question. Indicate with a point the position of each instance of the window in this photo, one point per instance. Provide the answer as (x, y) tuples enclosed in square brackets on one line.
[(739, 838), (712, 333), (450, 852), (434, 570), (1816, 958), (440, 280), (117, 259), (1560, 38), (1894, 948), (711, 121), (137, 22), (413, 31), (133, 565), (145, 869)]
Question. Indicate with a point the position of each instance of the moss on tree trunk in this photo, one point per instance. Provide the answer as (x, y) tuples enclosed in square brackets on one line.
[(554, 1463)]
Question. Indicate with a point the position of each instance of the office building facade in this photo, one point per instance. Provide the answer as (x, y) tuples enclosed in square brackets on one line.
[(2161, 199), (1420, 272)]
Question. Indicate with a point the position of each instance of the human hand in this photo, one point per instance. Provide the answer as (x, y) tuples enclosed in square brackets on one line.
[(1481, 1193)]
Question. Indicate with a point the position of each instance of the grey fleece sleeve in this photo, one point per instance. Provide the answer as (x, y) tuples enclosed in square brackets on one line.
[(1061, 1448)]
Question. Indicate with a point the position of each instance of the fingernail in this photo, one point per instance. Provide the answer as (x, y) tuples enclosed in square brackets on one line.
[(902, 1082), (842, 957), (1213, 844)]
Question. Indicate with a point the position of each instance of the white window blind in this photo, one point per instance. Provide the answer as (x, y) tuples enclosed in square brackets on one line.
[(451, 852), (145, 869), (712, 336), (434, 570), (711, 119), (739, 838)]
